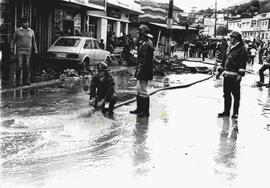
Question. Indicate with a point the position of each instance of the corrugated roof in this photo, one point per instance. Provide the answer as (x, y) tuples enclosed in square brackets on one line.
[(148, 3), (166, 6)]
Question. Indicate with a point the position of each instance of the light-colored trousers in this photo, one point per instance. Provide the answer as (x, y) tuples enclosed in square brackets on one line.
[(23, 58), (142, 88)]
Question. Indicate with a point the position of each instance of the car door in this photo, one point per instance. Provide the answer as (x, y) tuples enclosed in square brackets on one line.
[(96, 51), (88, 50)]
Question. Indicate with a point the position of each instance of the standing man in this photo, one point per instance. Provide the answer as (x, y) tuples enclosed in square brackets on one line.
[(24, 40), (77, 32), (144, 71), (186, 46), (253, 53), (204, 50), (101, 44), (233, 67), (261, 52)]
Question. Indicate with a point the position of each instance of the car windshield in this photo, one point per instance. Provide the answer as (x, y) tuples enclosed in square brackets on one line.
[(71, 42)]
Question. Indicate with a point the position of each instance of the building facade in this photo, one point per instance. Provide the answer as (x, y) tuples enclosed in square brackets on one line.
[(114, 20), (51, 19), (255, 27)]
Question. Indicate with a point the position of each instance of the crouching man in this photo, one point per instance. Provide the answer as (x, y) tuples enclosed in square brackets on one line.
[(102, 89)]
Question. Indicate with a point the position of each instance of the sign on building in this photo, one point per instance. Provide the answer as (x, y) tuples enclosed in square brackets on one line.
[(98, 4)]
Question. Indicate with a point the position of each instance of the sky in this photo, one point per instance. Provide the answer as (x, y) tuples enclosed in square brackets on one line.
[(186, 5)]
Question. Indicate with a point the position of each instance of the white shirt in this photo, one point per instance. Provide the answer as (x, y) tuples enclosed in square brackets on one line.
[(253, 52)]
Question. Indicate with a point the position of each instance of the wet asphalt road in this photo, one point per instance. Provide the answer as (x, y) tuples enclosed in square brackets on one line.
[(55, 140)]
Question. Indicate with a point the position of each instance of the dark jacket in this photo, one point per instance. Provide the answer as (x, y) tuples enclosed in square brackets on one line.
[(103, 88), (234, 60), (144, 69)]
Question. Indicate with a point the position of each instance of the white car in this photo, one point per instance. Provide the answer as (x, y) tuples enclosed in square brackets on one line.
[(76, 52)]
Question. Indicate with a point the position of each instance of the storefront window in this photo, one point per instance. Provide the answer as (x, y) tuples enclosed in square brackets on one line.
[(77, 22), (93, 27), (6, 20), (58, 23), (110, 26), (65, 22), (23, 10)]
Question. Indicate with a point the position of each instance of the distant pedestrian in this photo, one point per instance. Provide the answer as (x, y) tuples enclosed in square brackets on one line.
[(144, 71), (204, 51), (253, 53), (25, 42), (232, 67), (261, 52), (172, 47), (77, 32), (265, 66), (186, 46), (102, 89), (101, 44)]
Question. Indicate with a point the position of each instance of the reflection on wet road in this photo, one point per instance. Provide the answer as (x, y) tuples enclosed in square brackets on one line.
[(62, 143)]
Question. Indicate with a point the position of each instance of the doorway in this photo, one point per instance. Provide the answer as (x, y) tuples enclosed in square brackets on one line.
[(68, 26)]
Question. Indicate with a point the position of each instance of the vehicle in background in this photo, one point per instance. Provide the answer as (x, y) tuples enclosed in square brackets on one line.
[(75, 52)]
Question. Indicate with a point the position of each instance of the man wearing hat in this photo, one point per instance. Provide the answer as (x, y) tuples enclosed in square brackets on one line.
[(102, 89), (25, 42), (232, 67), (144, 71)]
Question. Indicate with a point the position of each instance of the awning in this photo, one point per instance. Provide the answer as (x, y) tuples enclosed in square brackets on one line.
[(106, 17), (176, 27), (130, 6)]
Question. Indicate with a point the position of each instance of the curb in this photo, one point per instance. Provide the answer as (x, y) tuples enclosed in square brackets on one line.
[(45, 83)]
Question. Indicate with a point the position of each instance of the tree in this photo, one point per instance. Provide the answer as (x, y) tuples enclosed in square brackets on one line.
[(222, 30)]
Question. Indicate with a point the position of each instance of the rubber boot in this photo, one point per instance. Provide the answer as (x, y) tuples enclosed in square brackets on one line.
[(111, 105), (145, 107), (139, 104), (227, 107), (235, 109)]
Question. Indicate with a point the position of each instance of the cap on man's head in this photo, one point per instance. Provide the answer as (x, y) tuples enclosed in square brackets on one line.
[(144, 29), (236, 35), (102, 66)]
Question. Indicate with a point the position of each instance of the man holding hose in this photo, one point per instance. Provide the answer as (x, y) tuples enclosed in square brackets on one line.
[(144, 71), (232, 67)]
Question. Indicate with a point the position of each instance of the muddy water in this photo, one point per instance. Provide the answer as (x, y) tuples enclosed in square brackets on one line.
[(55, 140)]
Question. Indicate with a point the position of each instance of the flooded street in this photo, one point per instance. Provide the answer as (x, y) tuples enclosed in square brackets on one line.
[(55, 140)]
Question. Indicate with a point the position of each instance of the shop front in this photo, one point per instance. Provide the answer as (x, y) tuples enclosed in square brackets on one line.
[(119, 13), (70, 15), (48, 19), (67, 17), (6, 31)]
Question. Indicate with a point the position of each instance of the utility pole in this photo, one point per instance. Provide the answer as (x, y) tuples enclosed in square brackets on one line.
[(169, 26), (215, 28), (228, 12)]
